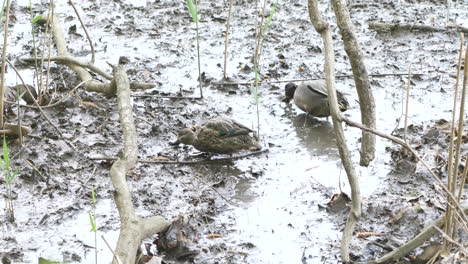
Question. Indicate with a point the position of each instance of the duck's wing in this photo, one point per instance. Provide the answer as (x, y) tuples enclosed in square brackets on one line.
[(317, 87), (227, 127)]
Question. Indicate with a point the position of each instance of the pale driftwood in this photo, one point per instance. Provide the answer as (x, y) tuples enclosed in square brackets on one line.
[(91, 85), (67, 60), (361, 79), (64, 57), (322, 27), (133, 229), (379, 26)]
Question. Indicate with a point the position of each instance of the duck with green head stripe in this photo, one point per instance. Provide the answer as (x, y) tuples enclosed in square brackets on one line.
[(220, 135)]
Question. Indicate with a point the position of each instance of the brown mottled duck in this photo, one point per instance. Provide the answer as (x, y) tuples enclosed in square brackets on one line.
[(219, 136)]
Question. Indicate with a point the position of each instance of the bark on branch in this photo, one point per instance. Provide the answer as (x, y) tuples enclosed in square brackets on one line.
[(81, 68), (323, 28), (361, 79), (133, 229)]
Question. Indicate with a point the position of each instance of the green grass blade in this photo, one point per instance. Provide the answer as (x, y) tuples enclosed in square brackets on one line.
[(92, 222), (192, 10), (6, 158), (3, 8), (34, 21), (270, 17), (47, 261), (93, 196)]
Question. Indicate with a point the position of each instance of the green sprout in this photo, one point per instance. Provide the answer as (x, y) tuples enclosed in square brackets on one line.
[(193, 10)]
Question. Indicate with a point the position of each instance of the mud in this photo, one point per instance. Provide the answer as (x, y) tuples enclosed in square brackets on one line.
[(270, 208)]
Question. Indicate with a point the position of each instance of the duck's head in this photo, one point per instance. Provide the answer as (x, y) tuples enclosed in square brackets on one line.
[(186, 136), (289, 90)]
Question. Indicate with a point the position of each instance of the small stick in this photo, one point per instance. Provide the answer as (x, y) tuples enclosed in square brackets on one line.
[(40, 108), (2, 74), (190, 162), (407, 100), (226, 40), (113, 252), (85, 30), (56, 103)]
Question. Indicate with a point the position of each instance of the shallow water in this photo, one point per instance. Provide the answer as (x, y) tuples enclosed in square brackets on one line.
[(278, 194)]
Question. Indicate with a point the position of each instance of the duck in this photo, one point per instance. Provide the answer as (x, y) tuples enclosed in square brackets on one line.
[(221, 135), (312, 97)]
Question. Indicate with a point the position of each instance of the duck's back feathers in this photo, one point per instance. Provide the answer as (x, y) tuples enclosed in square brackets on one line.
[(223, 135), (312, 97)]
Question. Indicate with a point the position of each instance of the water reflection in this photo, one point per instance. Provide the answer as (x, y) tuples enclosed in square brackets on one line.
[(316, 135)]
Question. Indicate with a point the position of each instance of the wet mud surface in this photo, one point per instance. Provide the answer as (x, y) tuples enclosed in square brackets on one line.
[(269, 208)]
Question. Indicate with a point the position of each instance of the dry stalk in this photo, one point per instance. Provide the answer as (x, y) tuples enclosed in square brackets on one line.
[(407, 102), (451, 177), (322, 27), (2, 77), (85, 30), (41, 87), (226, 40)]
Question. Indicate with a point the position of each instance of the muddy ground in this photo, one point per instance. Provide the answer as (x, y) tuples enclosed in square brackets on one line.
[(269, 208)]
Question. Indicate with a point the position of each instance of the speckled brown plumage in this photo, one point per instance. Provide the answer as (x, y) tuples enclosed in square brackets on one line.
[(220, 135)]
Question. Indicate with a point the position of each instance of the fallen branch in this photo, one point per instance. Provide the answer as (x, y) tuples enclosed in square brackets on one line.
[(422, 237), (379, 26), (71, 60), (191, 162), (133, 228), (323, 28)]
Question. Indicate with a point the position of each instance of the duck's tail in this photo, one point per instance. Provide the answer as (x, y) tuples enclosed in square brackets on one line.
[(343, 103)]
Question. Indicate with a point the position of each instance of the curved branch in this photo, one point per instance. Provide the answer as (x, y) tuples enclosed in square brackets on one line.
[(361, 79), (133, 228), (322, 27)]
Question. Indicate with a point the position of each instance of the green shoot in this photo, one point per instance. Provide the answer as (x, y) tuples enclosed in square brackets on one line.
[(92, 221), (34, 21), (48, 261), (3, 8), (9, 177), (261, 35), (193, 10)]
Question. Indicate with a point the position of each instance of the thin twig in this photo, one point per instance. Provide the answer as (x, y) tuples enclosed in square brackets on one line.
[(190, 162), (57, 102), (85, 30), (226, 40), (40, 108), (450, 175), (401, 142), (110, 248), (69, 59), (2, 77), (407, 101), (449, 239)]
